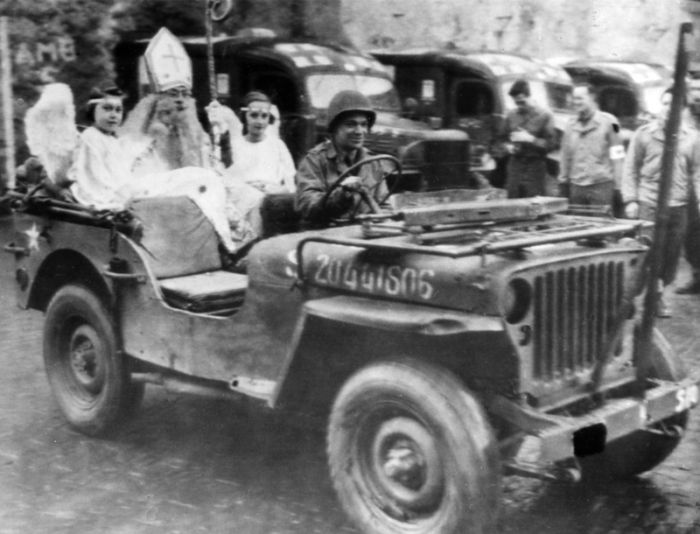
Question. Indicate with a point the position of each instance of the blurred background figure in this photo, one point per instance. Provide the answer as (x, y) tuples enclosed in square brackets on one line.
[(692, 235), (640, 187), (591, 153), (528, 134)]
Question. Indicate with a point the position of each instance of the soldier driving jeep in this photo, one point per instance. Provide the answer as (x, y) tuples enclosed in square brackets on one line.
[(325, 188)]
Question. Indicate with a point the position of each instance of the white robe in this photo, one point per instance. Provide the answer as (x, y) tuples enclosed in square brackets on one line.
[(265, 163), (258, 168), (103, 179)]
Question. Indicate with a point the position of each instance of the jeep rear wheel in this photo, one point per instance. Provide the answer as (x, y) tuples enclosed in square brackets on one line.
[(642, 450), (88, 377), (410, 450)]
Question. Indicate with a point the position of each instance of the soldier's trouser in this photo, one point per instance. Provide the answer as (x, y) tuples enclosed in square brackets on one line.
[(600, 194), (526, 177), (692, 234), (675, 234)]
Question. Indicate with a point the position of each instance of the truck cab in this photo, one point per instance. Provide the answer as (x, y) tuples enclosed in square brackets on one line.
[(629, 90), (301, 78), (468, 90)]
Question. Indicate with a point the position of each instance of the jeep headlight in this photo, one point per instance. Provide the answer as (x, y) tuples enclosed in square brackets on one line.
[(516, 300)]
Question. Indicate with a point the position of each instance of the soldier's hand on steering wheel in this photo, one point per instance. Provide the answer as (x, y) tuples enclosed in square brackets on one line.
[(352, 184)]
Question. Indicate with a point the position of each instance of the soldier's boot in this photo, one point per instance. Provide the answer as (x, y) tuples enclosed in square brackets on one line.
[(692, 287)]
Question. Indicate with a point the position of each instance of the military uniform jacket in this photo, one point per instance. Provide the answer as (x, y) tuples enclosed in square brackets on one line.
[(537, 121), (586, 150), (319, 170), (642, 170)]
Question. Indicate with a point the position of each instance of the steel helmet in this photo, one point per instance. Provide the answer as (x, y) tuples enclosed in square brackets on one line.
[(349, 101)]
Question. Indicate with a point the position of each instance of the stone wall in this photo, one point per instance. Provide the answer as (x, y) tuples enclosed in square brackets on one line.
[(544, 28)]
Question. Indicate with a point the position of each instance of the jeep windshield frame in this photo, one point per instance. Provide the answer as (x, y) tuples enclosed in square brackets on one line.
[(480, 239), (322, 86)]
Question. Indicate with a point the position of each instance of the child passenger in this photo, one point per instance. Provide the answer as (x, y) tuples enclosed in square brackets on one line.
[(103, 177)]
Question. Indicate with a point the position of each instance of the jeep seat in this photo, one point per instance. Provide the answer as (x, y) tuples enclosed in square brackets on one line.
[(183, 252)]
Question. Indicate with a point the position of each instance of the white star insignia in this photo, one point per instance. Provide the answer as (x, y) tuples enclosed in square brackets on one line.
[(33, 235)]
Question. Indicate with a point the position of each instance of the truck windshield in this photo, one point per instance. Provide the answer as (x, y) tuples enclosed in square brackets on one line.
[(380, 91), (555, 96)]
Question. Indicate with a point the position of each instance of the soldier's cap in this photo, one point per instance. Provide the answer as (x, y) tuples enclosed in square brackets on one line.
[(347, 102)]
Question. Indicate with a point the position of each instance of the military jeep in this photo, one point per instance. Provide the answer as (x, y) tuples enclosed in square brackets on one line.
[(450, 339)]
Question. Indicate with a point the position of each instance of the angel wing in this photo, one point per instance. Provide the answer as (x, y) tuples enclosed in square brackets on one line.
[(51, 132)]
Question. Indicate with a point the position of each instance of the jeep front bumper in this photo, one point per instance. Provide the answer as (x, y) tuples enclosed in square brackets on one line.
[(554, 438)]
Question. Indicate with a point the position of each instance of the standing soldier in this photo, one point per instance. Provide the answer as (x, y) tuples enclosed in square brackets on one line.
[(528, 136), (591, 154), (640, 187), (692, 236)]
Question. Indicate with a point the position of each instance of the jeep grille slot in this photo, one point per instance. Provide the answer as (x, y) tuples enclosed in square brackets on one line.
[(574, 312)]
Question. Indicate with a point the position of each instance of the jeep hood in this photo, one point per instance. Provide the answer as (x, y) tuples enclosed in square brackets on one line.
[(473, 283)]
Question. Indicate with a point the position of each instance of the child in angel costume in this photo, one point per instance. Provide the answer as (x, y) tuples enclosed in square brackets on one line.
[(161, 150)]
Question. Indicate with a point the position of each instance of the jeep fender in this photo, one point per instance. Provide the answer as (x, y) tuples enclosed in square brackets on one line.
[(336, 335), (61, 267)]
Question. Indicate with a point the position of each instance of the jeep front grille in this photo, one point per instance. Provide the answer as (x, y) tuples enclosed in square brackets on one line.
[(574, 311)]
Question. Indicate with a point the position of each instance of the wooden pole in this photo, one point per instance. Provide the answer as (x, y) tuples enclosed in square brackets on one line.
[(7, 104)]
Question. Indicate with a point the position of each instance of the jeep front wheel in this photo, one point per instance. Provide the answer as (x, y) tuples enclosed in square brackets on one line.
[(88, 376), (410, 450)]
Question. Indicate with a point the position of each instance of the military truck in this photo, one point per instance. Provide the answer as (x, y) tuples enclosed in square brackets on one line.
[(468, 90), (301, 77), (442, 342), (629, 90)]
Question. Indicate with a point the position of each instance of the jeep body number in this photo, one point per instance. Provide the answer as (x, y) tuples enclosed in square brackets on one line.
[(385, 279)]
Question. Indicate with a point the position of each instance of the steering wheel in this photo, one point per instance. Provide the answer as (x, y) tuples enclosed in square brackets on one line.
[(365, 195)]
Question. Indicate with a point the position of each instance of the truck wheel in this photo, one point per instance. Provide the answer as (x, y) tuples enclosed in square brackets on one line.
[(642, 450), (411, 450), (88, 376)]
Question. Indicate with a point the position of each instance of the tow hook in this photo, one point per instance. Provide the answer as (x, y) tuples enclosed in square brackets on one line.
[(670, 431), (568, 472)]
